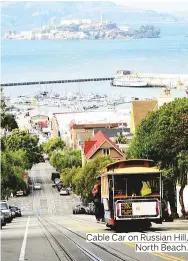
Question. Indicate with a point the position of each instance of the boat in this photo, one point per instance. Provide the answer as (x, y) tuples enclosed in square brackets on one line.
[(129, 82)]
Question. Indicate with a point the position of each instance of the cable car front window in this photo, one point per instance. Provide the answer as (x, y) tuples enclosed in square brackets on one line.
[(120, 186), (137, 185)]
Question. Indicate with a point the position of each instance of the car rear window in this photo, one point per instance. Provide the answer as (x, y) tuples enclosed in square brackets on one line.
[(4, 206)]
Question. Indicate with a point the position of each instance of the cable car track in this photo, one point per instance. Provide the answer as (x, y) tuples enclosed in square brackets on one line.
[(88, 254), (105, 249)]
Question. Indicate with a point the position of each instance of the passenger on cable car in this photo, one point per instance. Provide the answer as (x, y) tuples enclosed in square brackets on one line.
[(99, 208), (139, 188), (131, 187)]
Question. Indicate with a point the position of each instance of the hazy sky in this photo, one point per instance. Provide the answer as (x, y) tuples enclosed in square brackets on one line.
[(175, 6)]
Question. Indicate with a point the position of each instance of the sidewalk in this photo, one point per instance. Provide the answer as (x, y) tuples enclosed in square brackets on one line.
[(180, 220)]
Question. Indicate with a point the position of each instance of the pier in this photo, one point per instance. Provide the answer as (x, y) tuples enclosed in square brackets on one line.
[(56, 81), (153, 79)]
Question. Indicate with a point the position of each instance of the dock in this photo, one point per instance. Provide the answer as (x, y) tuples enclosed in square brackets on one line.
[(153, 79), (56, 81)]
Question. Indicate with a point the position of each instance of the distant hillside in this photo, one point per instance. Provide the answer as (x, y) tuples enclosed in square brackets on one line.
[(29, 15)]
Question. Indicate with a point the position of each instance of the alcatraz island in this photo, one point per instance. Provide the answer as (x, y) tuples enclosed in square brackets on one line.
[(84, 29)]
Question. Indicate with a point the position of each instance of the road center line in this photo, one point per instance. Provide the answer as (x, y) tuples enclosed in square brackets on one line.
[(22, 252)]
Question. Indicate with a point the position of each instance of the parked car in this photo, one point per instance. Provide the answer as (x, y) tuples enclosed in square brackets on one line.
[(18, 211), (6, 211), (19, 193), (57, 180), (13, 210), (91, 208), (64, 191), (60, 186), (79, 209), (41, 159), (3, 220), (37, 186), (46, 157)]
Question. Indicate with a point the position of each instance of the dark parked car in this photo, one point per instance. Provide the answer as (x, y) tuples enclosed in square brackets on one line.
[(13, 210), (60, 186), (41, 159)]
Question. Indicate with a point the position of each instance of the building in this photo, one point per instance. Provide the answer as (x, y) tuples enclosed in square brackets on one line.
[(40, 121), (100, 144), (141, 108), (112, 133), (70, 125), (81, 132), (139, 111)]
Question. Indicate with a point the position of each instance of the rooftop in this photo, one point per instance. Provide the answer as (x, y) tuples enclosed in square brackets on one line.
[(141, 109), (91, 117), (91, 146)]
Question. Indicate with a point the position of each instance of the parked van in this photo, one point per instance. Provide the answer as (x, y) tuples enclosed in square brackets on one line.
[(55, 175)]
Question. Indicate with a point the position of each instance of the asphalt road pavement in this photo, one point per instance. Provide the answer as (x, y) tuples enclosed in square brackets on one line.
[(49, 231)]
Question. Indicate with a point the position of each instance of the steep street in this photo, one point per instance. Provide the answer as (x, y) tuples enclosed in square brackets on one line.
[(49, 231)]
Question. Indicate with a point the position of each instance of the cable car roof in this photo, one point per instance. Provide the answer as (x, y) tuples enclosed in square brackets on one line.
[(133, 166), (133, 170)]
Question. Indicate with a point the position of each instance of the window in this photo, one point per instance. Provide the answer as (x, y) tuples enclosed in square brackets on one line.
[(3, 206), (106, 151)]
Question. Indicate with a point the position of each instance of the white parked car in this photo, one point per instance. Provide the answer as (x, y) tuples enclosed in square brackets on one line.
[(19, 193), (64, 191), (37, 186)]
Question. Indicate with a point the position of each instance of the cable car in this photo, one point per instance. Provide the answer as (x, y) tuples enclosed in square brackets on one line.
[(131, 192)]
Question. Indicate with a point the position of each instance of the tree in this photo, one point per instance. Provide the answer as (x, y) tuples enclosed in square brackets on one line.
[(183, 177), (8, 122), (53, 144), (12, 168), (3, 104), (22, 140), (68, 176), (85, 178), (163, 136), (121, 139), (66, 158)]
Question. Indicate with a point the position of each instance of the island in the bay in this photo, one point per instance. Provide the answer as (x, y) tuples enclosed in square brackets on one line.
[(84, 29)]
